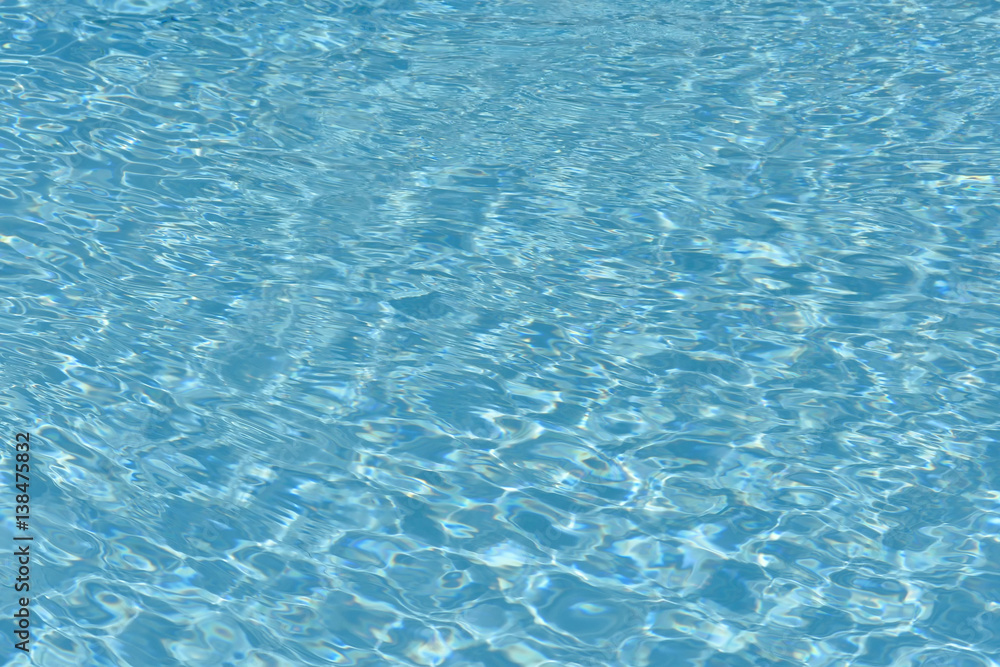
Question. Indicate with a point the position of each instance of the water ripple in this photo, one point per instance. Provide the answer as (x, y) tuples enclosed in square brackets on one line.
[(446, 333)]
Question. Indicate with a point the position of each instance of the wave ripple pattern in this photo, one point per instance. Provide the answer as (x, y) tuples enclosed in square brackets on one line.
[(481, 334)]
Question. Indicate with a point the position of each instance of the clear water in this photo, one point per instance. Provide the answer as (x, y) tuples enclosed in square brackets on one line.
[(467, 333)]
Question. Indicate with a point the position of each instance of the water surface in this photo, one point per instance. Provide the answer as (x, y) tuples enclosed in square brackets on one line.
[(505, 333)]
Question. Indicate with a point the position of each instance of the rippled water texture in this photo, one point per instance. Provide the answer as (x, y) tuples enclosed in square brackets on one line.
[(443, 332)]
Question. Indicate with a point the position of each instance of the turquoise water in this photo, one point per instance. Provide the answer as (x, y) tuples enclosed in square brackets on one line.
[(477, 334)]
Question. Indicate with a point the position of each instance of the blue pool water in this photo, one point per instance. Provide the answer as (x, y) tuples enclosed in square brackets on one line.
[(477, 334)]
